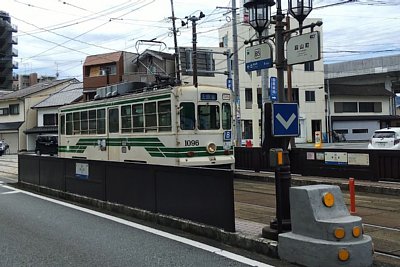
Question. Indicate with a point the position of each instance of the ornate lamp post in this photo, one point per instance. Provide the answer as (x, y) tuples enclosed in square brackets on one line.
[(299, 9), (259, 13), (258, 19)]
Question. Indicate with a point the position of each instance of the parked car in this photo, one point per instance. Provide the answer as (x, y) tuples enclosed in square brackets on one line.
[(3, 147), (387, 138), (47, 144)]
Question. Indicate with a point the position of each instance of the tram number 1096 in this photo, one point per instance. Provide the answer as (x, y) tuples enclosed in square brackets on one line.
[(192, 143)]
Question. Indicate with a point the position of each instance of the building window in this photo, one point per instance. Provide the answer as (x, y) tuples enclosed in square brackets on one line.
[(50, 119), (370, 107), (342, 107), (360, 131), (309, 66), (259, 97), (248, 97), (247, 129), (205, 62), (310, 96), (14, 109), (4, 111)]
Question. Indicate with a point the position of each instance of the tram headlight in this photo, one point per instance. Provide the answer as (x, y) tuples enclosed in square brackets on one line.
[(211, 148)]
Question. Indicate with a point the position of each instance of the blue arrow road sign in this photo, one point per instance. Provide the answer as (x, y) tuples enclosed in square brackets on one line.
[(285, 121)]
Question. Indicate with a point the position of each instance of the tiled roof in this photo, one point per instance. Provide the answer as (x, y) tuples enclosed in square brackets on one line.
[(102, 59), (42, 129), (34, 89), (9, 126), (65, 96), (359, 90)]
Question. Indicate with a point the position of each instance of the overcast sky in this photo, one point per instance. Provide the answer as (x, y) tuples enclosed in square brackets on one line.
[(56, 36)]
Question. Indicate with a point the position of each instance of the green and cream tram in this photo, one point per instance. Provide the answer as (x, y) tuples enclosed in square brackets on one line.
[(178, 126)]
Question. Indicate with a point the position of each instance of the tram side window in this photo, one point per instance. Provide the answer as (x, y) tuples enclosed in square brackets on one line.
[(62, 124), (164, 116), (208, 117), (226, 116), (77, 122), (68, 124), (186, 116), (101, 121), (126, 119), (84, 122), (137, 118), (92, 121), (150, 115), (113, 120)]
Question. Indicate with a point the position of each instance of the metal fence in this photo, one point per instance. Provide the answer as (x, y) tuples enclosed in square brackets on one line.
[(329, 162), (197, 194)]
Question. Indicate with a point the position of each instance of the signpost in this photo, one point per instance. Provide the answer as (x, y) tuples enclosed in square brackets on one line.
[(258, 57), (273, 89), (303, 48), (285, 119)]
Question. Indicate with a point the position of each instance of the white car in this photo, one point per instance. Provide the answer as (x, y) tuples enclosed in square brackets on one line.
[(387, 138)]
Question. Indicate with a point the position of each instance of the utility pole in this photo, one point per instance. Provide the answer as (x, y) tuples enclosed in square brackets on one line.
[(194, 20), (177, 61), (236, 85)]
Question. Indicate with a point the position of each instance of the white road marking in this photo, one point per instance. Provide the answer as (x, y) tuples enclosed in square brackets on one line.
[(382, 227), (180, 239), (285, 123), (9, 192)]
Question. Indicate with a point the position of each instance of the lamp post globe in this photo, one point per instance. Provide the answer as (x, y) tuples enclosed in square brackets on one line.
[(259, 12), (299, 9)]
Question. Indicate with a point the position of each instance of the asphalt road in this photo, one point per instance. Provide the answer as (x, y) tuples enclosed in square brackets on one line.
[(38, 231)]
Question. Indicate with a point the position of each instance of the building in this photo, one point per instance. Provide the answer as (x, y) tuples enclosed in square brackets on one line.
[(16, 114), (361, 96), (148, 64), (47, 112), (26, 80), (7, 52), (105, 69)]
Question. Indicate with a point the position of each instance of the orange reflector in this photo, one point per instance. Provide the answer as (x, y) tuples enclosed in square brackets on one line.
[(339, 233), (280, 157), (356, 231), (343, 254), (328, 199)]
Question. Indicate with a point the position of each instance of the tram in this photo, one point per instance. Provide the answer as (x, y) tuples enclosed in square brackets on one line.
[(173, 125)]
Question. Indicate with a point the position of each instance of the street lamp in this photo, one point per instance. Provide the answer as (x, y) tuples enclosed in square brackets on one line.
[(300, 9), (259, 13)]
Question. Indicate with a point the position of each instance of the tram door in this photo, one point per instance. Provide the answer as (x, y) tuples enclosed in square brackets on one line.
[(113, 140)]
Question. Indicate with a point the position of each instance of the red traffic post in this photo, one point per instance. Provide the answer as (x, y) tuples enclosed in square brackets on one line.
[(352, 196)]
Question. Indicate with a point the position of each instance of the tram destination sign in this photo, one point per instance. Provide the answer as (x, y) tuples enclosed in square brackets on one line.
[(303, 48), (258, 57)]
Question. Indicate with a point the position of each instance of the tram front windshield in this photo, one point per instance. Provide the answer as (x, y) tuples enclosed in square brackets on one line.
[(209, 117)]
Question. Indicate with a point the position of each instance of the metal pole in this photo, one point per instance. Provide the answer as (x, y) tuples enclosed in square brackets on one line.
[(236, 85), (329, 112)]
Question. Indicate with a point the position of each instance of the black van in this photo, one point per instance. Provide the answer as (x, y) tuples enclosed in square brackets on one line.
[(46, 144)]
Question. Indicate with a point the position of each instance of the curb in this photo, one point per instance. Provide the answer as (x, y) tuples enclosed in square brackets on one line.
[(259, 245)]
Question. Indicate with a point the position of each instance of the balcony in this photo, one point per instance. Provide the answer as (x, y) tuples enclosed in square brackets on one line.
[(14, 28), (14, 52), (14, 40), (15, 64)]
